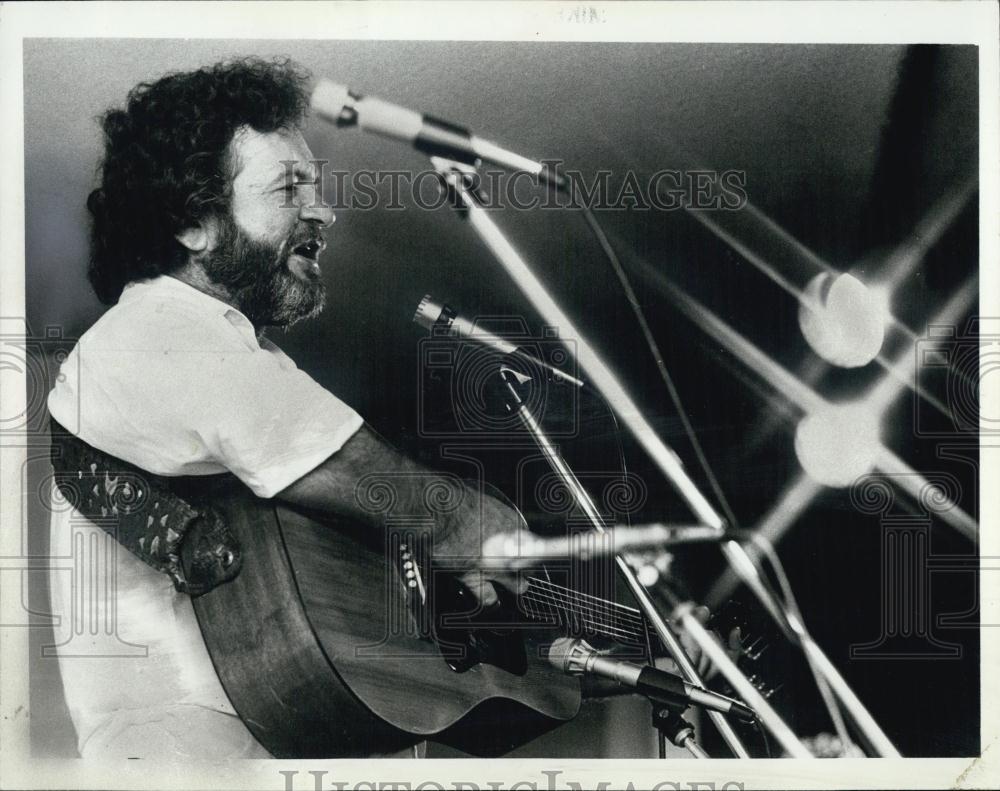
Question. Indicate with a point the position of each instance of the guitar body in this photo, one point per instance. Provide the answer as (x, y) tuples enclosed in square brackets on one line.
[(318, 649)]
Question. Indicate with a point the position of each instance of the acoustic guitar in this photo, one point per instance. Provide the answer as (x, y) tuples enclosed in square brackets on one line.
[(332, 644)]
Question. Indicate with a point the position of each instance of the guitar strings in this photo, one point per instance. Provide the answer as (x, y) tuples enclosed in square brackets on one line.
[(606, 602), (624, 612), (585, 624), (582, 608), (596, 619), (562, 606), (605, 629), (630, 610), (595, 615)]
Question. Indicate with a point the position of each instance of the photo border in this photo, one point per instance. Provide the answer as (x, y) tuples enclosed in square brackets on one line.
[(718, 22)]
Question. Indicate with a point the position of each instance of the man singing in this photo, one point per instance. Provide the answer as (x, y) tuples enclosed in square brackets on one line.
[(207, 229)]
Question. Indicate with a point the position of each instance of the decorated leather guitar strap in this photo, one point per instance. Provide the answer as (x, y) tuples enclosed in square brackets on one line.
[(185, 537)]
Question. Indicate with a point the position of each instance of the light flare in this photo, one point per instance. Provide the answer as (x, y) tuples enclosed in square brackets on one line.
[(858, 417)]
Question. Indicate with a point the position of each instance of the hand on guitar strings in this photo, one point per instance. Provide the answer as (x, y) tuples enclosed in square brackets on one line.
[(468, 542)]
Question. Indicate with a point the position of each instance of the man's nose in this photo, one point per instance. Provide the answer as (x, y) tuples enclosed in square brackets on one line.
[(317, 212)]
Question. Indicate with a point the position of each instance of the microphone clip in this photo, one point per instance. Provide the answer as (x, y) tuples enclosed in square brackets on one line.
[(460, 179)]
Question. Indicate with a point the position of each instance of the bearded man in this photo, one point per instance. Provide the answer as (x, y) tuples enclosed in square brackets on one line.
[(207, 228)]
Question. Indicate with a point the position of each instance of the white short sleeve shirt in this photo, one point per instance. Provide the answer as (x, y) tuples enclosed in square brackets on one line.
[(176, 382)]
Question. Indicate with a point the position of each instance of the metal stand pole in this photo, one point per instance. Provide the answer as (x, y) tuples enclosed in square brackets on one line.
[(676, 730), (744, 689), (586, 504), (456, 176)]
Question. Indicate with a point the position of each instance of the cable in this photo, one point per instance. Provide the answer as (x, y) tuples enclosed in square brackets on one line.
[(789, 604), (763, 736), (661, 737), (654, 348)]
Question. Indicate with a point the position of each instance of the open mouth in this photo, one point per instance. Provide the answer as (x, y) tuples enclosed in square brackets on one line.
[(310, 249)]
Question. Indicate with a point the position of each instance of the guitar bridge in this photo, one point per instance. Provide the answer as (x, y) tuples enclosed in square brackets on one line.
[(410, 551)]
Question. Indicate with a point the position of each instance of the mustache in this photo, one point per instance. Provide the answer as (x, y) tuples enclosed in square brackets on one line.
[(311, 234), (243, 263)]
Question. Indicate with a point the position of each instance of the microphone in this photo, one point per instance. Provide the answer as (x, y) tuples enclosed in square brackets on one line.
[(576, 657), (344, 107), (515, 551), (433, 316)]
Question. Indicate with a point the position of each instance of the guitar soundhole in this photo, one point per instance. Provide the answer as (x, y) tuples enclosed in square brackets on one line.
[(446, 613), (466, 635)]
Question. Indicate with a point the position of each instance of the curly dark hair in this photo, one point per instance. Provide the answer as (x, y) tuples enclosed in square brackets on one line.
[(166, 161)]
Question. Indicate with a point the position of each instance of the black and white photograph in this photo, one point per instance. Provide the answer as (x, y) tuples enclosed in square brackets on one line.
[(499, 395)]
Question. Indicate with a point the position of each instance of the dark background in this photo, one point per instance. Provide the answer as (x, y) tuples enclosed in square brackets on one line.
[(845, 147)]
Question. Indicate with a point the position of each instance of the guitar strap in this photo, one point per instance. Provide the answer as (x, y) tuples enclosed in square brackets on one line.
[(158, 519)]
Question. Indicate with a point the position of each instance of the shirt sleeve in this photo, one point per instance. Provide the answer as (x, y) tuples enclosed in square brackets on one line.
[(180, 393), (271, 423)]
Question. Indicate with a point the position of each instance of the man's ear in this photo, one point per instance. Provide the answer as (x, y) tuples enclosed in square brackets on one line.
[(197, 237)]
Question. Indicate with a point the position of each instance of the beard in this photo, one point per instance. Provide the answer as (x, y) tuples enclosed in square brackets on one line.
[(258, 278)]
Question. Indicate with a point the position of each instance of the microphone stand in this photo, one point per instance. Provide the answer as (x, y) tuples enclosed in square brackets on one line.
[(586, 504), (460, 180), (675, 729), (745, 689)]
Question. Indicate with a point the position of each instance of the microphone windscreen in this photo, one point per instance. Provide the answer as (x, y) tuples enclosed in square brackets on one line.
[(428, 312), (329, 99), (559, 653)]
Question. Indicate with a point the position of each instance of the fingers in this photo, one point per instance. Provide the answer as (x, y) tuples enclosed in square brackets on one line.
[(500, 545), (693, 650), (701, 614), (735, 641), (705, 667), (482, 589), (481, 585), (491, 571), (701, 661)]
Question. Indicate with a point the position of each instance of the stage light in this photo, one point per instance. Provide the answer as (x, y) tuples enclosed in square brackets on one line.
[(842, 319), (826, 431), (838, 444)]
